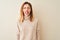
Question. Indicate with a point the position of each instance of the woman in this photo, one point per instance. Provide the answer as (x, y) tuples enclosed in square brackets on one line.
[(27, 24)]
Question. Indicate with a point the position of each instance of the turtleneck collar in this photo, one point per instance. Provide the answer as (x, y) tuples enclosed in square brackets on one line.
[(26, 17)]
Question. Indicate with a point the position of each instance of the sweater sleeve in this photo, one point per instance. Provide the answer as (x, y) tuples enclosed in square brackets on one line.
[(38, 31), (18, 31)]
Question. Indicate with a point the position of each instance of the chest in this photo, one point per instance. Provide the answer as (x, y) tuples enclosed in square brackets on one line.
[(27, 26)]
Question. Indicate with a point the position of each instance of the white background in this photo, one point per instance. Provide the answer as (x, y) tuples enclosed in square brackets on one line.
[(47, 11)]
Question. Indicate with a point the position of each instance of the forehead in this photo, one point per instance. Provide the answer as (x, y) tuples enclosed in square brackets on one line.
[(26, 5)]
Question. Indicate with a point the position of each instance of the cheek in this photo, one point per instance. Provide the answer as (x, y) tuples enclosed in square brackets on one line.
[(24, 10), (29, 10)]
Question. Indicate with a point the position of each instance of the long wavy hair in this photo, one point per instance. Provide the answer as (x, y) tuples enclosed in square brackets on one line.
[(22, 14)]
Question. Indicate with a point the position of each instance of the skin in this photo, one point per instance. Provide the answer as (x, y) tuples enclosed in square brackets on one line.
[(26, 10)]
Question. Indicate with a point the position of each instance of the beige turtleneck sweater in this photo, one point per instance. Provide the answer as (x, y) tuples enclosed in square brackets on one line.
[(28, 30)]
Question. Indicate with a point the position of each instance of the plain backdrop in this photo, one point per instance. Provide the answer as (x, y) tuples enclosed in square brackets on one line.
[(47, 11)]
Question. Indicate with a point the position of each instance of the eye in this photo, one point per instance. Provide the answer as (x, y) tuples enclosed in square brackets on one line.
[(28, 7), (24, 7)]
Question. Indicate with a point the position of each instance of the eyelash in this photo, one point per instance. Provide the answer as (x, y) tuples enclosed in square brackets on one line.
[(25, 7)]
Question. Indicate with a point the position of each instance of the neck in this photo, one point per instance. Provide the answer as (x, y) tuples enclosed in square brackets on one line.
[(26, 17)]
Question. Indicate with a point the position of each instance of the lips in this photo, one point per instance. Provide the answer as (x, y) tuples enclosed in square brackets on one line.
[(26, 12)]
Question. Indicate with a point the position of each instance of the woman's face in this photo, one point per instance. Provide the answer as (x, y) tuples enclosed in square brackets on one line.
[(26, 10)]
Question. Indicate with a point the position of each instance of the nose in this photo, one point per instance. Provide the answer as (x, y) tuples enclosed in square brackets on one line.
[(26, 9)]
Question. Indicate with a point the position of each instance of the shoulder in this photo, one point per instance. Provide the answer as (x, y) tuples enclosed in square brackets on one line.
[(36, 20), (18, 22)]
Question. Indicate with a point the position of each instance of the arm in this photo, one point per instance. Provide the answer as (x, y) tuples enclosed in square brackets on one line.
[(18, 32), (38, 31)]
